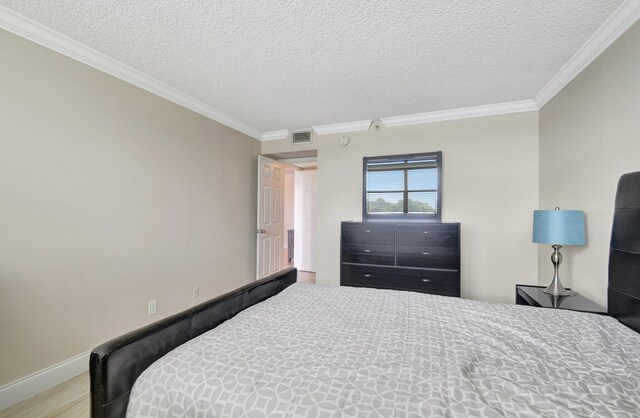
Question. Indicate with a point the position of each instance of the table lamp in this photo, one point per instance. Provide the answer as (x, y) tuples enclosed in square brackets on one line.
[(557, 228)]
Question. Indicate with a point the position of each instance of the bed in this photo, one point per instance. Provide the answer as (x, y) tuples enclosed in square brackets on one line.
[(309, 350)]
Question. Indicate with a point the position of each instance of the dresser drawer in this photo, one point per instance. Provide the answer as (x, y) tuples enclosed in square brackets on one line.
[(428, 235), (368, 233), (428, 257), (368, 254), (427, 281)]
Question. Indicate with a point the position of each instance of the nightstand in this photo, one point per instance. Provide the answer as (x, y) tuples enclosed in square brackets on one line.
[(534, 296)]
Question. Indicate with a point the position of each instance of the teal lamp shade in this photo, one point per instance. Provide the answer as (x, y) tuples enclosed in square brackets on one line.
[(558, 227)]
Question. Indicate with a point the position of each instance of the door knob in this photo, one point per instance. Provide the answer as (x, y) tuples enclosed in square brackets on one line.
[(261, 231)]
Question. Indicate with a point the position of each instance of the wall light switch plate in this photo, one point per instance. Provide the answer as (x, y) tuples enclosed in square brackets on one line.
[(153, 307), (196, 292)]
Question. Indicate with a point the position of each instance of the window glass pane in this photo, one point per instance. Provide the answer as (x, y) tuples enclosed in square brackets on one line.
[(422, 179), (385, 180), (422, 202), (399, 185), (384, 202)]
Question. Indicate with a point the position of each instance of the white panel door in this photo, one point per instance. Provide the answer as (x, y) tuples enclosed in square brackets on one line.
[(270, 216), (305, 198)]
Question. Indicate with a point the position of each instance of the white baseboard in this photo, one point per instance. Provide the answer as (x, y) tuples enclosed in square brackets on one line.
[(35, 383)]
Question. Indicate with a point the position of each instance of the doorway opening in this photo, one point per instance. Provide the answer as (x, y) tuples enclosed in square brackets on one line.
[(286, 214)]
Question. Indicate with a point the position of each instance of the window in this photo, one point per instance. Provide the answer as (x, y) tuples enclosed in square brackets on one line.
[(402, 187)]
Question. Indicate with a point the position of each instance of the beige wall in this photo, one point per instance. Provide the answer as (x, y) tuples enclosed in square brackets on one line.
[(109, 197), (589, 137), (490, 185)]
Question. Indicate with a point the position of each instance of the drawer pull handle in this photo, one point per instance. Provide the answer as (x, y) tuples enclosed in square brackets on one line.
[(426, 232), (426, 253), (367, 275), (426, 280), (367, 231), (367, 251)]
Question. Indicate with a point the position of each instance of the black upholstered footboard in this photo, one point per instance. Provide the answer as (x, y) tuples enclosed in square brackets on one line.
[(115, 365)]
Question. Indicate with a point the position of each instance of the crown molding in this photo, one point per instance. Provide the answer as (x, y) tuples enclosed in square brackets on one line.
[(273, 135), (338, 128), (462, 113), (619, 22), (42, 35)]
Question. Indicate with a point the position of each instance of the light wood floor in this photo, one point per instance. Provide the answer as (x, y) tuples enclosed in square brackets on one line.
[(306, 277), (69, 399)]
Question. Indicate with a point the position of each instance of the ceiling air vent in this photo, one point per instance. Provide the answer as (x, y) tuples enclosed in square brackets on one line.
[(301, 137)]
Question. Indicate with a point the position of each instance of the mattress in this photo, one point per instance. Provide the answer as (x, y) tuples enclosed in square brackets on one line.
[(325, 351)]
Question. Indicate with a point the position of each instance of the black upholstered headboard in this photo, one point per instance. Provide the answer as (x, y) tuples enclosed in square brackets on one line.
[(624, 254)]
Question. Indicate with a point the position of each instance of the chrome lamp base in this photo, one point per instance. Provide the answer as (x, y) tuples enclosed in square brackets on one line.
[(556, 288)]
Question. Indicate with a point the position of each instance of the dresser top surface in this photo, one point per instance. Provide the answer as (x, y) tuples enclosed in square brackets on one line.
[(413, 221)]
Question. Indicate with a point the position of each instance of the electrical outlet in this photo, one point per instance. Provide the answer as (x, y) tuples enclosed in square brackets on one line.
[(153, 307), (196, 292)]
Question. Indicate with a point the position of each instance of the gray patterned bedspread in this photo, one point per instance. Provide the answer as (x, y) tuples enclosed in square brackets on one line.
[(320, 351)]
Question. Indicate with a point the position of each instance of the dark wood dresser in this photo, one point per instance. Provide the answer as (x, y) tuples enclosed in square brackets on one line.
[(421, 257)]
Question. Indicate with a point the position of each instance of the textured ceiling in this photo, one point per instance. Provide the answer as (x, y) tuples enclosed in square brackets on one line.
[(293, 64)]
